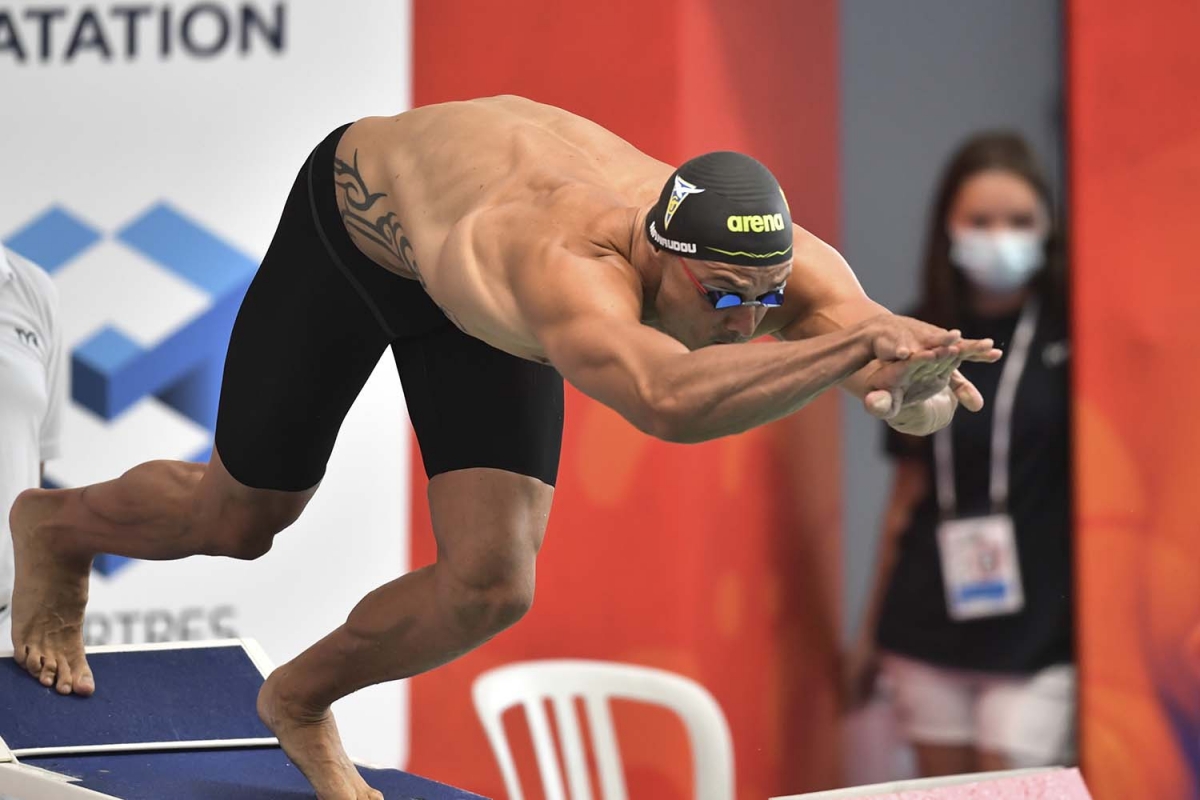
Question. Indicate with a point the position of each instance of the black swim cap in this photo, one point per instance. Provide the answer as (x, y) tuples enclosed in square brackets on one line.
[(723, 207)]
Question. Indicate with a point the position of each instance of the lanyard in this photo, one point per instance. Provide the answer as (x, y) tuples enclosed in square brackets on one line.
[(1006, 392)]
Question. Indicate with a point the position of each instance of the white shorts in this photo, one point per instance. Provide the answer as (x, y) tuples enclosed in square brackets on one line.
[(1030, 719)]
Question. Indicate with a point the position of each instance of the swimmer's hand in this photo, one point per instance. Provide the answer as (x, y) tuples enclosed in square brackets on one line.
[(931, 414), (928, 415), (895, 338), (918, 389)]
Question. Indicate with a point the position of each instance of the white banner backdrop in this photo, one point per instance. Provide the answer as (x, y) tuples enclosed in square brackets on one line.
[(145, 154)]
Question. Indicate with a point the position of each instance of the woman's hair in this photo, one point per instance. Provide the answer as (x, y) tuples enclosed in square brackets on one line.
[(944, 288)]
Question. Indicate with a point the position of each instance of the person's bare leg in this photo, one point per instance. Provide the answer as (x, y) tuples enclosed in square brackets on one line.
[(937, 760), (489, 526), (159, 510)]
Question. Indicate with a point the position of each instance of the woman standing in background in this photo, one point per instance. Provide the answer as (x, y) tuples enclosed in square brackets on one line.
[(970, 613)]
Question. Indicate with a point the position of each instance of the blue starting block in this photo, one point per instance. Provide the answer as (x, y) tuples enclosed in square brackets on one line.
[(171, 721)]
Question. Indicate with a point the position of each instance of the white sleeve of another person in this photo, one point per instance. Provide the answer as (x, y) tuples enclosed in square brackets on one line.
[(49, 442)]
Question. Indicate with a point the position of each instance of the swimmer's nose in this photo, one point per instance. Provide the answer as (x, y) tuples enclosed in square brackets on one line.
[(741, 322)]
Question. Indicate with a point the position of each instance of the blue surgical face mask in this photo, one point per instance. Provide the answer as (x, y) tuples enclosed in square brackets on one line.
[(1001, 261)]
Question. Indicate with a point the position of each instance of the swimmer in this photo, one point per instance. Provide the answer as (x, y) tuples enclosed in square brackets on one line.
[(497, 246)]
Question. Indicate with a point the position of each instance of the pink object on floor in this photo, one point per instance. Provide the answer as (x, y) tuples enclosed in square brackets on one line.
[(1058, 785), (1048, 784)]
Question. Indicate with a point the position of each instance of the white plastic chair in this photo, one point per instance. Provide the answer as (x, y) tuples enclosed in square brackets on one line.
[(530, 684)]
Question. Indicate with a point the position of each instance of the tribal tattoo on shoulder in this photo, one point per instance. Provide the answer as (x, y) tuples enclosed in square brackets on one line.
[(384, 229)]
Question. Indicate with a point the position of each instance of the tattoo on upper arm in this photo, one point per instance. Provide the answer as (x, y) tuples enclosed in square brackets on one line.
[(384, 229)]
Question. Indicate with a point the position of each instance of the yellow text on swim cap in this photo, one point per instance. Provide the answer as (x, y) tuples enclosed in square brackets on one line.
[(755, 223)]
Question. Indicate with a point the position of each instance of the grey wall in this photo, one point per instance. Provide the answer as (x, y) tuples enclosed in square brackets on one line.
[(916, 77)]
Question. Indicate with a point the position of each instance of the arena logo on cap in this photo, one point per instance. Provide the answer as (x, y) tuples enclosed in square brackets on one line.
[(670, 244), (46, 34), (679, 193), (123, 357), (755, 223)]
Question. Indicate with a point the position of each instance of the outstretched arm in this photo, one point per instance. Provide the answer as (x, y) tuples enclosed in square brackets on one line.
[(586, 315)]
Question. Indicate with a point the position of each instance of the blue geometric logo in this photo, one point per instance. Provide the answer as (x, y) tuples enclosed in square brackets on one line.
[(110, 370)]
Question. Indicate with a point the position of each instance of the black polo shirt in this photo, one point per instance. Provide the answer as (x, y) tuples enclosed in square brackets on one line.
[(914, 621)]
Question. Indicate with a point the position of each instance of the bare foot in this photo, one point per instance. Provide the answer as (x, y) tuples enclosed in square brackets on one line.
[(49, 597), (311, 740)]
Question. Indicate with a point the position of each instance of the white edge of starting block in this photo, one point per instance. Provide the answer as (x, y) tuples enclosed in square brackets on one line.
[(138, 747), (252, 648), (254, 651), (919, 784), (258, 655), (34, 783)]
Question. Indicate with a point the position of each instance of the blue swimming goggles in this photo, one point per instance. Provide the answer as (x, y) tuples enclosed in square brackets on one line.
[(722, 299)]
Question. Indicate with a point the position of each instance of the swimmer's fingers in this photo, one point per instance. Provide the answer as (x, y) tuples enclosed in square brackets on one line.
[(922, 375), (883, 403), (965, 391), (896, 338), (934, 364), (979, 350), (888, 384)]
